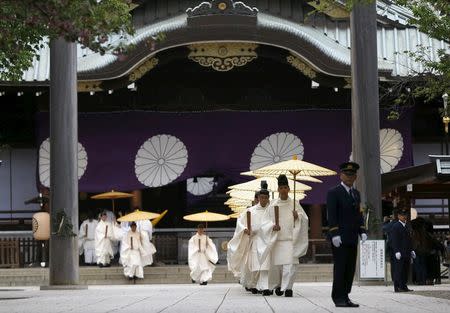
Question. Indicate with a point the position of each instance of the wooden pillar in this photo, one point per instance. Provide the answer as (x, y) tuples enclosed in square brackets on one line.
[(315, 220), (365, 111), (136, 200), (64, 267)]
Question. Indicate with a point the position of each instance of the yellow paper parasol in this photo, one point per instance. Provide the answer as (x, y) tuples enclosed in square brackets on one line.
[(235, 215), (112, 195), (238, 209), (289, 176), (156, 220), (272, 185), (250, 195), (138, 216), (296, 168), (206, 217), (238, 202)]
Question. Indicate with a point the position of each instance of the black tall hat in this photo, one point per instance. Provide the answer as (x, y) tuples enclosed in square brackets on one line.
[(282, 180), (264, 190)]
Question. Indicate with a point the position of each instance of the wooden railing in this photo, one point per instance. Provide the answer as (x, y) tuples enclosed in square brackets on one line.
[(17, 252), (22, 251), (319, 248), (9, 253)]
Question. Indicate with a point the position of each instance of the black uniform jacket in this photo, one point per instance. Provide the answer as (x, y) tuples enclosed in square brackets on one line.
[(344, 216), (401, 240)]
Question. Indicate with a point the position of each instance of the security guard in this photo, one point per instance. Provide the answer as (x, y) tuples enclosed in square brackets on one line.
[(402, 250), (346, 224)]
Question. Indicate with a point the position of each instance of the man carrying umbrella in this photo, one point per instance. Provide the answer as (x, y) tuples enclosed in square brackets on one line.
[(105, 234), (202, 255), (242, 256), (136, 252), (284, 239), (346, 225), (87, 239)]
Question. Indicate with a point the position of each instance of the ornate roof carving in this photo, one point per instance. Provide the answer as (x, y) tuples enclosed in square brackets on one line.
[(221, 7)]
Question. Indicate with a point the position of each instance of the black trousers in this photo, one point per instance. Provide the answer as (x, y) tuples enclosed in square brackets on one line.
[(401, 269), (344, 259)]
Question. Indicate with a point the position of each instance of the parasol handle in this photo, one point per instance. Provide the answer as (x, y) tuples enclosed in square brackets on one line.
[(249, 222), (106, 231), (277, 215), (294, 194)]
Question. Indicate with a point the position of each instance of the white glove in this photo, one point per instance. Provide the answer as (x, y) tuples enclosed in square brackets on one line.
[(398, 255), (413, 254), (336, 240), (363, 237)]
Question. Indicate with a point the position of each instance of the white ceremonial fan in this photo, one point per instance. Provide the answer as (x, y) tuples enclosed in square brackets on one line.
[(276, 148), (44, 162), (160, 160), (199, 186), (391, 149)]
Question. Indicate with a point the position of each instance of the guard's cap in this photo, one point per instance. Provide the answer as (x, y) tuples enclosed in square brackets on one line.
[(349, 168)]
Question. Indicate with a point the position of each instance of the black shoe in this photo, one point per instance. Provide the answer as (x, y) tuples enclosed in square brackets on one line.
[(247, 289), (204, 283), (341, 304), (278, 291), (193, 281), (400, 290), (130, 278), (100, 265), (254, 291), (288, 293), (407, 289), (267, 292), (350, 304)]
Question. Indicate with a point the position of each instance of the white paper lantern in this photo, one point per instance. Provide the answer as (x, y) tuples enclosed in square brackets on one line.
[(41, 226)]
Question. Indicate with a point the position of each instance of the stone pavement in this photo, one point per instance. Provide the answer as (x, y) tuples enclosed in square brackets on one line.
[(308, 297)]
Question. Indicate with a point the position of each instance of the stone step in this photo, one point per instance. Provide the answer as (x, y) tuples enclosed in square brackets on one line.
[(152, 275)]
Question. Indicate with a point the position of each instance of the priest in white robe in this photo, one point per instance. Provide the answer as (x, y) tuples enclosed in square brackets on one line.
[(202, 255), (283, 240), (87, 240), (145, 225), (136, 252), (105, 234), (242, 253)]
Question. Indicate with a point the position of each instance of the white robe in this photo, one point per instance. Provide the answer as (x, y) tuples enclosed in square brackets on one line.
[(135, 253), (283, 247), (86, 241), (105, 234), (144, 225), (242, 254), (202, 255)]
